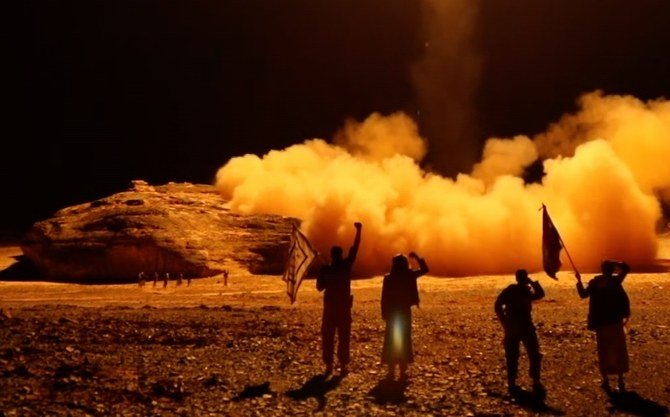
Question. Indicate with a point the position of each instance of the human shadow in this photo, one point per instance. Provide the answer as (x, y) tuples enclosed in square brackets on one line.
[(633, 403), (316, 387), (389, 391), (253, 391), (534, 401)]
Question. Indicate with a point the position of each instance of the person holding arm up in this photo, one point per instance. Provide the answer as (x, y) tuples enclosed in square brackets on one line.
[(335, 281), (513, 308), (399, 293), (609, 310)]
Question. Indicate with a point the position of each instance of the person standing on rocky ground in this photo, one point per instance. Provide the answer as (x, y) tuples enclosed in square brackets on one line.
[(155, 278), (609, 310), (513, 308), (399, 293), (141, 279), (335, 281), (166, 279)]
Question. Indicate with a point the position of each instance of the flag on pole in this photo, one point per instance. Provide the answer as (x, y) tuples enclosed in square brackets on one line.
[(300, 258), (551, 245)]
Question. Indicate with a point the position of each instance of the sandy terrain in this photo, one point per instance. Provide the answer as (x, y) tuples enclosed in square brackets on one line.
[(242, 350)]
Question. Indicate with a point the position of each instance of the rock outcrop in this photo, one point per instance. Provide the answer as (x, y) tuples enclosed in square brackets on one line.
[(175, 228)]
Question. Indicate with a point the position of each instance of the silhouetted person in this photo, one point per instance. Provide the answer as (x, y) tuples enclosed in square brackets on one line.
[(513, 308), (609, 310), (155, 278), (165, 281), (399, 294), (188, 281), (180, 279), (335, 281), (141, 279)]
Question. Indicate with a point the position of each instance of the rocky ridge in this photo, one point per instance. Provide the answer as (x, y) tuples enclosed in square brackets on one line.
[(177, 228)]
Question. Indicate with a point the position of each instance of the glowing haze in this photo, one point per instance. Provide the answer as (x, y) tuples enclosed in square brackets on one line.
[(445, 81), (605, 170)]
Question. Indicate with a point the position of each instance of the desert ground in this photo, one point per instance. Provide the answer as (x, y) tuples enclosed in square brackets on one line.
[(242, 350)]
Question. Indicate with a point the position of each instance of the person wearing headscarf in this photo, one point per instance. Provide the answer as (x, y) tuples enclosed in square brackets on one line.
[(609, 310), (399, 294)]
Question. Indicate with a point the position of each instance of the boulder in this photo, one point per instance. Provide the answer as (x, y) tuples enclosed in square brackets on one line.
[(177, 228)]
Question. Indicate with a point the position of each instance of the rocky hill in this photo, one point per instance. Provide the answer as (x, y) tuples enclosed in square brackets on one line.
[(175, 228)]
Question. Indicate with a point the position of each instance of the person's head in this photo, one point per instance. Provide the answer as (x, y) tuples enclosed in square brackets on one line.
[(607, 267), (336, 254), (522, 276), (399, 263)]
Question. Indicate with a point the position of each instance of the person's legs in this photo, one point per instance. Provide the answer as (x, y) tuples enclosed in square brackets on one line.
[(621, 384), (343, 342), (511, 344), (403, 371), (532, 346), (328, 341), (603, 357)]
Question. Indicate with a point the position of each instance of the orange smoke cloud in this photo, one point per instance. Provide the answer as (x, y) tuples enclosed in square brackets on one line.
[(505, 157), (479, 223), (638, 132)]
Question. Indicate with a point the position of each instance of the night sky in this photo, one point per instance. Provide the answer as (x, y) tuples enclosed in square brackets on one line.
[(107, 91)]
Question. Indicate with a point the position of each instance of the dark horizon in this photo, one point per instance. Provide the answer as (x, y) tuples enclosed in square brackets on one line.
[(107, 92)]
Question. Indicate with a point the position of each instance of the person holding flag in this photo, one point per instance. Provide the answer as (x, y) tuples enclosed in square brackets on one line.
[(513, 308), (335, 281), (609, 310)]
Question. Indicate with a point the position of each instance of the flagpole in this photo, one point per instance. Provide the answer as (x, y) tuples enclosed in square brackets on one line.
[(566, 252)]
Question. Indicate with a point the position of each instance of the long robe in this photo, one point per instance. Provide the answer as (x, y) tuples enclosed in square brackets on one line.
[(399, 294)]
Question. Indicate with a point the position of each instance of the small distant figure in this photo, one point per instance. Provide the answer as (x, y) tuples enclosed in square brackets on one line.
[(225, 277), (399, 293), (188, 281), (609, 310), (165, 281), (335, 281), (155, 278), (141, 279), (513, 308), (180, 279)]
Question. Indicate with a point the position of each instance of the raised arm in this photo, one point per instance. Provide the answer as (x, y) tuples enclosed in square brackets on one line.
[(423, 266), (538, 291), (624, 269), (353, 251)]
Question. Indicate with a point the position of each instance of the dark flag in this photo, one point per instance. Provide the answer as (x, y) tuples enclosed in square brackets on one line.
[(551, 245), (300, 258)]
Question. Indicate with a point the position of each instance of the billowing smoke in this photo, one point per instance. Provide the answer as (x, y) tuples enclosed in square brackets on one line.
[(599, 193), (446, 80), (638, 132)]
